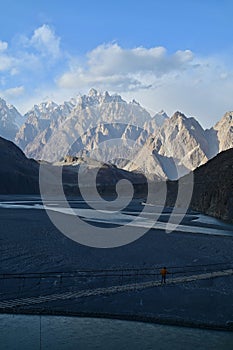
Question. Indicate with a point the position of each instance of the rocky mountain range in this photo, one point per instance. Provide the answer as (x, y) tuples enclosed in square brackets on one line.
[(108, 129), (87, 122)]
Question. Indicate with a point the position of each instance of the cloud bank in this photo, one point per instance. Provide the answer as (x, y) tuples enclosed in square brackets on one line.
[(112, 67), (35, 67)]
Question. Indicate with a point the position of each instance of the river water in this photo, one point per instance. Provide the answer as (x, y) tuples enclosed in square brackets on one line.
[(26, 332), (206, 225)]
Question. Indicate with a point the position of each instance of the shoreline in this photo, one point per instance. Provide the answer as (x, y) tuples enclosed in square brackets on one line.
[(123, 317)]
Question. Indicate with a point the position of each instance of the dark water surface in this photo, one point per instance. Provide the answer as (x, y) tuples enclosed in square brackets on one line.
[(20, 332)]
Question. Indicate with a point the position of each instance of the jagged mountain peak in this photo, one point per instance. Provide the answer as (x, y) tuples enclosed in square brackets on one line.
[(181, 121), (222, 132), (163, 113), (10, 120), (228, 115), (178, 116), (92, 92), (7, 106), (114, 98), (159, 118), (46, 105), (226, 119), (3, 102), (105, 97)]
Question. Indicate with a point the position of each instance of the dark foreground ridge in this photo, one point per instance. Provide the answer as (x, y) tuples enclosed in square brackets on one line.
[(213, 187), (18, 174)]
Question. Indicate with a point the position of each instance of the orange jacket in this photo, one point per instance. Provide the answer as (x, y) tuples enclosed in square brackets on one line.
[(163, 272)]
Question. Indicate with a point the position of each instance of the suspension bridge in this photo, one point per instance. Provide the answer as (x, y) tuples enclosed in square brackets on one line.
[(115, 281)]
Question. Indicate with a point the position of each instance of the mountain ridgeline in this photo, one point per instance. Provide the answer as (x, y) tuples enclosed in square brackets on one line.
[(107, 128)]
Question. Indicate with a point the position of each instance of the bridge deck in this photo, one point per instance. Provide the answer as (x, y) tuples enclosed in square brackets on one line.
[(20, 302)]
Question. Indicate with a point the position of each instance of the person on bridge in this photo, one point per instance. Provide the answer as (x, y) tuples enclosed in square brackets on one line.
[(163, 273)]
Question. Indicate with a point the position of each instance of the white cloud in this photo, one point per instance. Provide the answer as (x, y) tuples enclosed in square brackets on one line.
[(31, 53), (3, 45), (158, 79), (205, 93), (109, 59), (6, 62), (196, 85), (14, 71), (13, 92), (46, 42), (125, 69)]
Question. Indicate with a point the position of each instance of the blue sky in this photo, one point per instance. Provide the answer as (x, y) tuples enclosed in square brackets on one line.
[(171, 55)]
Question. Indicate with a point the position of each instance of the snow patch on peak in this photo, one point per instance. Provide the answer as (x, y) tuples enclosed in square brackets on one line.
[(92, 92)]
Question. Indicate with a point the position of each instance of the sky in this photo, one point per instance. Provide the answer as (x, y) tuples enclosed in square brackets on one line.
[(170, 55)]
